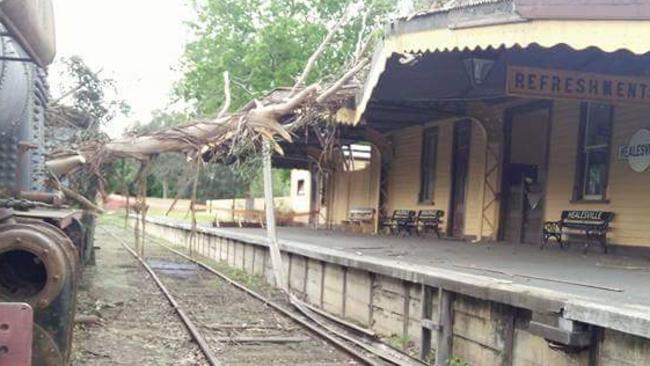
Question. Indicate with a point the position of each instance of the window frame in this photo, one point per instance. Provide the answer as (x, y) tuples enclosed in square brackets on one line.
[(580, 184), (300, 188), (428, 181)]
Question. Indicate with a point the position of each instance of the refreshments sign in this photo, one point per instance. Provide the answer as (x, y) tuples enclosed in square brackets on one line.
[(562, 84)]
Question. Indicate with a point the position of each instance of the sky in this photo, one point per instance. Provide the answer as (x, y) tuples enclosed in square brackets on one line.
[(138, 43)]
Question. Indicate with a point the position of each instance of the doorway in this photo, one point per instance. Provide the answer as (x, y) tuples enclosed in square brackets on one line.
[(526, 140), (459, 177)]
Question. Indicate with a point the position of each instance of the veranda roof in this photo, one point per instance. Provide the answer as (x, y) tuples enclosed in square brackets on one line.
[(607, 25)]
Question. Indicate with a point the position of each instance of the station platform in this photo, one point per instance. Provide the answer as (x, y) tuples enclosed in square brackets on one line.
[(605, 290)]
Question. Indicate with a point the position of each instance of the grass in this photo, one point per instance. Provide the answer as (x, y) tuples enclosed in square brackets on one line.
[(400, 342), (457, 362), (236, 274), (201, 217), (247, 279), (114, 218)]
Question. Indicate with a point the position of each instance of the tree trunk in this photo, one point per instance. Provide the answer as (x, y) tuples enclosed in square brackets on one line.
[(165, 188)]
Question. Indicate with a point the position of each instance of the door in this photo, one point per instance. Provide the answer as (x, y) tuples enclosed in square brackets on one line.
[(525, 165), (459, 175)]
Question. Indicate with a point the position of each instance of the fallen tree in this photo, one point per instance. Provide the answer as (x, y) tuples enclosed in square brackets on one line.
[(244, 132), (262, 125)]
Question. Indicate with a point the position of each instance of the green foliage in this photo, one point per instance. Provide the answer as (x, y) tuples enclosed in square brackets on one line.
[(425, 5), (264, 44), (401, 342), (122, 177), (168, 169), (281, 183), (430, 358), (91, 94), (171, 172), (93, 98), (221, 181), (161, 120), (458, 362)]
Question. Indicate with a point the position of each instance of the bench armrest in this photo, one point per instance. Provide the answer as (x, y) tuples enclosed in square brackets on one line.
[(553, 226)]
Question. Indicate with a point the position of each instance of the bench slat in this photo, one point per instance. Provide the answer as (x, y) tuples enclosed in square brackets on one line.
[(592, 224), (361, 214)]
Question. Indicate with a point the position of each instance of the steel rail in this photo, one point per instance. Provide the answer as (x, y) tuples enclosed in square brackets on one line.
[(315, 329), (194, 331)]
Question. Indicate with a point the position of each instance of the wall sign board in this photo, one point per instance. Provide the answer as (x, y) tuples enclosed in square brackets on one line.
[(637, 152), (563, 84)]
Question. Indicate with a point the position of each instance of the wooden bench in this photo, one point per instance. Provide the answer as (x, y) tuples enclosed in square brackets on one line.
[(593, 225), (429, 220), (402, 221), (360, 219), (242, 219)]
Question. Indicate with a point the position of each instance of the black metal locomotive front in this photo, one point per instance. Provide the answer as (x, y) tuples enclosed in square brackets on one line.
[(41, 243)]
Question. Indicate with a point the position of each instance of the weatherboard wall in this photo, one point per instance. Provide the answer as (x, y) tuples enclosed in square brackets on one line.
[(628, 196)]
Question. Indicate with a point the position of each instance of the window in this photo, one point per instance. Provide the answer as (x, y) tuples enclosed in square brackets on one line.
[(593, 151), (428, 165), (300, 191)]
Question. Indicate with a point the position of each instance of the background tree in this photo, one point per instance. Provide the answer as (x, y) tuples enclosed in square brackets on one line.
[(85, 102), (264, 44), (166, 175), (170, 173), (84, 90), (424, 5)]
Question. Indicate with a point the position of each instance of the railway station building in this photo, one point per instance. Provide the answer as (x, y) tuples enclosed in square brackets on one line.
[(504, 114)]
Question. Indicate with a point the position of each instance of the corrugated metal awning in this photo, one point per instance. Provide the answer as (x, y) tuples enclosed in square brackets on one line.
[(405, 38)]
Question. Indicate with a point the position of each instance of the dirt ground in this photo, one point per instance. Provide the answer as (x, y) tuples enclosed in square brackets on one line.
[(140, 328), (138, 325), (222, 312)]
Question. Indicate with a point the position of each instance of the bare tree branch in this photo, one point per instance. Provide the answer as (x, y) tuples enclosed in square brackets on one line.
[(321, 48), (339, 83), (226, 91), (74, 90), (358, 49)]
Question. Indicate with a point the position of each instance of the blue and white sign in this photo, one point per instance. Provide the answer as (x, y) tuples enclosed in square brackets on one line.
[(637, 152)]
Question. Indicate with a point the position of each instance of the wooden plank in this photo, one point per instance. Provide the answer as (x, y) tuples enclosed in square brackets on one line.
[(260, 340), (594, 350), (322, 284), (427, 309), (344, 291), (509, 337), (371, 300), (290, 271), (445, 337), (276, 257), (406, 307)]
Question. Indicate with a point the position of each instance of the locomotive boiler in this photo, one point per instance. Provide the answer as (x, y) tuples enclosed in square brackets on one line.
[(41, 242)]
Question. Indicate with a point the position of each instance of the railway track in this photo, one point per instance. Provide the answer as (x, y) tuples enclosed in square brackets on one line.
[(235, 325)]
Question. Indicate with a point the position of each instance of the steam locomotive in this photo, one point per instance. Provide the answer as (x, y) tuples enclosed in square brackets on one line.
[(42, 244)]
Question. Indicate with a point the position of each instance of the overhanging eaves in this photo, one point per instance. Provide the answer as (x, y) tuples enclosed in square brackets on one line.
[(605, 35)]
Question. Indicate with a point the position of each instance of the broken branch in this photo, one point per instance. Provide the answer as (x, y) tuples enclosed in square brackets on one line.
[(321, 48), (226, 92), (339, 83)]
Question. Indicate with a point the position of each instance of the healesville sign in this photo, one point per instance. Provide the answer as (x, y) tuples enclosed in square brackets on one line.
[(637, 151), (549, 83)]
